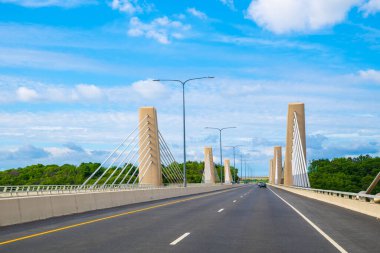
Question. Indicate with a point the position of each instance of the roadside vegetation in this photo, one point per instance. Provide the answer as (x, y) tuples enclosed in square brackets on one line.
[(341, 174), (344, 174), (68, 174)]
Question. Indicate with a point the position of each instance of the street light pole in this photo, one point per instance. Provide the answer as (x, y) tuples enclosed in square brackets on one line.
[(220, 148), (241, 166), (234, 147), (245, 163), (184, 121)]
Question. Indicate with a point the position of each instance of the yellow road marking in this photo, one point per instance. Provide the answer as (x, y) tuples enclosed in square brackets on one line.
[(110, 217)]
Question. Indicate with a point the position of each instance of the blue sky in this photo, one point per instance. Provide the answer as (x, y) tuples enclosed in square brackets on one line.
[(74, 73)]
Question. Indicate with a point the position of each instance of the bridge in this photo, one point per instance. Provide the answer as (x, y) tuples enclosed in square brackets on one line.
[(136, 201)]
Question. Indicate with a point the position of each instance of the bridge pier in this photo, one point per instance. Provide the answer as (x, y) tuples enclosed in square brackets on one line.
[(150, 171), (227, 172), (299, 110), (278, 164), (209, 169), (271, 171)]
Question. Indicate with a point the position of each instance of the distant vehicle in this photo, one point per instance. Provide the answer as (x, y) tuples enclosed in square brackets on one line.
[(262, 185)]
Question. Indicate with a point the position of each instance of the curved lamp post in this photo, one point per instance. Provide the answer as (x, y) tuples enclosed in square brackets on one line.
[(184, 122)]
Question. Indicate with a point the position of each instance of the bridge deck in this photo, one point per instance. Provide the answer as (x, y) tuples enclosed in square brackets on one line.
[(258, 221)]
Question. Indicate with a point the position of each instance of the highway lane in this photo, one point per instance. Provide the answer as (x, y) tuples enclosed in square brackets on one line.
[(246, 219), (357, 232)]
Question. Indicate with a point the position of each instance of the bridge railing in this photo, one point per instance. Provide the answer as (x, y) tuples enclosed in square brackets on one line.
[(35, 190), (347, 195)]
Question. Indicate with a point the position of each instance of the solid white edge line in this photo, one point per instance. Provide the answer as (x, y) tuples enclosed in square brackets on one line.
[(221, 210), (328, 238), (179, 239)]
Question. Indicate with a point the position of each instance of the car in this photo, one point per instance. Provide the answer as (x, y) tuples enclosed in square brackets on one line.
[(262, 185)]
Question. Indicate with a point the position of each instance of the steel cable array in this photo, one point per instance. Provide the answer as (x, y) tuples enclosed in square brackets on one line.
[(128, 163), (299, 166), (170, 169)]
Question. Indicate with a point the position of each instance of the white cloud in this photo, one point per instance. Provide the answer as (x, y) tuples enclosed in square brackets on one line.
[(197, 13), (370, 75), (229, 3), (160, 29), (149, 88), (103, 127), (370, 7), (48, 3), (41, 59), (285, 16), (33, 91), (28, 152), (87, 92), (128, 6), (131, 6), (26, 95), (274, 43)]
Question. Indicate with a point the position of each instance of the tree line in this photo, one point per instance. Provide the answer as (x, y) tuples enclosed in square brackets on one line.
[(341, 174), (69, 174), (344, 174)]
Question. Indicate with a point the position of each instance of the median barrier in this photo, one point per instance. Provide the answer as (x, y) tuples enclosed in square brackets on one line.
[(34, 209), (64, 205), (85, 202)]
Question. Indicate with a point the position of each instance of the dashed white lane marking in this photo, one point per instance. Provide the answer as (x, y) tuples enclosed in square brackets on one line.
[(234, 201), (221, 210), (328, 238), (179, 239), (241, 196)]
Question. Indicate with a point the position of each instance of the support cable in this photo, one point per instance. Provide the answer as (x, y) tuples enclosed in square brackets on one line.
[(112, 153), (168, 165), (144, 151), (117, 158), (125, 158), (294, 165), (170, 171), (169, 158), (171, 155), (141, 169), (143, 174), (143, 154), (296, 155), (303, 157), (140, 166), (130, 159), (165, 169)]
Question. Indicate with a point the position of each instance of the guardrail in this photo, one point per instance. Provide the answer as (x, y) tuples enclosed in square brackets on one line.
[(35, 190), (347, 195)]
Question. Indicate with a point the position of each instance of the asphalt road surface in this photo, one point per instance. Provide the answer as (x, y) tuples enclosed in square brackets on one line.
[(244, 219)]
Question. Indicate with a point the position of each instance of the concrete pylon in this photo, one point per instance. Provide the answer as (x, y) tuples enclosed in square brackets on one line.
[(271, 171), (209, 170), (299, 109), (277, 164), (227, 172), (150, 171)]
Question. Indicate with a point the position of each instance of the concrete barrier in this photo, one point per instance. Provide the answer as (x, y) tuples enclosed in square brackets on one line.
[(34, 209), (367, 208), (26, 209)]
